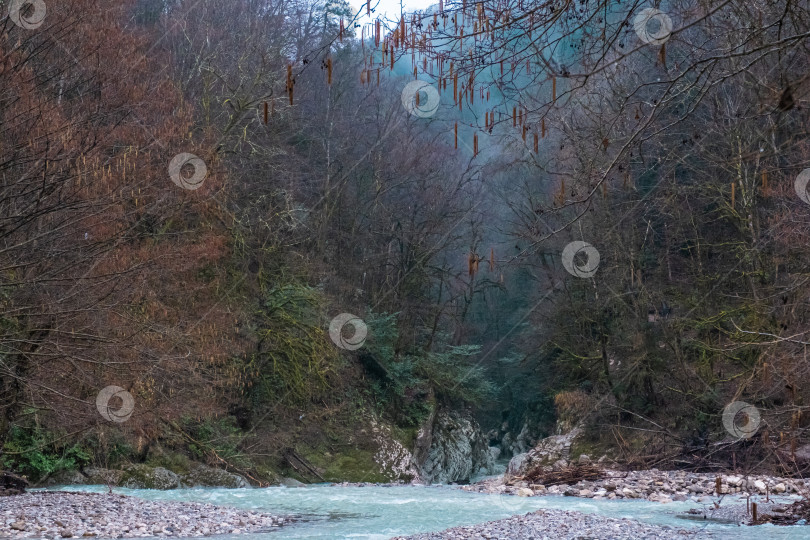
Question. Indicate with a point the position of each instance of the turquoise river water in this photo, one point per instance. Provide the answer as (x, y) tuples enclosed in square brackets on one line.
[(378, 512)]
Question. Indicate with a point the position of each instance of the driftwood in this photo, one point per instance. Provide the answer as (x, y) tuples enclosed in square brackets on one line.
[(291, 456), (11, 484), (566, 475), (799, 510)]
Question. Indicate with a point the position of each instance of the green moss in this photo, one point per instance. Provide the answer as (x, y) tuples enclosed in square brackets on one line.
[(173, 461), (352, 465)]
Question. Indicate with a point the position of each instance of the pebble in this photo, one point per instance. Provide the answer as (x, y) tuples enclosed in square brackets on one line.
[(55, 514), (653, 485), (559, 525)]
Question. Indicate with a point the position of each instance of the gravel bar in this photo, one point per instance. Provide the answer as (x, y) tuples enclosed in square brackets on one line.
[(560, 525), (63, 514)]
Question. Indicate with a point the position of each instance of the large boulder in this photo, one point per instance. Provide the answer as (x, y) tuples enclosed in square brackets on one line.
[(202, 476), (101, 476), (456, 450), (70, 477), (146, 477), (549, 451)]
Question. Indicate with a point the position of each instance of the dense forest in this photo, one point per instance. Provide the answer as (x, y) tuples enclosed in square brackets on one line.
[(288, 238)]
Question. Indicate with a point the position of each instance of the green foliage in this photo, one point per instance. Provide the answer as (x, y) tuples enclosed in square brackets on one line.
[(36, 453), (216, 438), (455, 374), (448, 372)]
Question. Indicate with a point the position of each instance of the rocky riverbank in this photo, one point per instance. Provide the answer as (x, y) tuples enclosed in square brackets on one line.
[(653, 485), (560, 525), (61, 514)]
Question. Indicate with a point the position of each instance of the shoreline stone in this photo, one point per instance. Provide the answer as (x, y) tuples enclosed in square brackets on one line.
[(65, 514), (560, 525), (653, 485)]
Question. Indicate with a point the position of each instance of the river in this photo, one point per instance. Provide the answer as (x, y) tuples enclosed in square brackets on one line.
[(378, 512)]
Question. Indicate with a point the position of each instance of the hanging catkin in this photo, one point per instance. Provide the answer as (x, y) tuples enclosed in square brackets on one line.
[(536, 143), (491, 259), (475, 144), (265, 112), (514, 116), (329, 70), (402, 30), (543, 127), (455, 135), (553, 89)]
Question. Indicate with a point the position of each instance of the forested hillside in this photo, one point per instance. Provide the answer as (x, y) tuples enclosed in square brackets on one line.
[(233, 232)]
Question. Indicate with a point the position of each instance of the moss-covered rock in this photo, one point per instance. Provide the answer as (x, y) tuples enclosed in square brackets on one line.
[(203, 476), (70, 477), (100, 476), (146, 477)]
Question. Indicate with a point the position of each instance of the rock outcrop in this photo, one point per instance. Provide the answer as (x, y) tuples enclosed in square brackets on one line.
[(456, 449), (145, 477), (551, 451)]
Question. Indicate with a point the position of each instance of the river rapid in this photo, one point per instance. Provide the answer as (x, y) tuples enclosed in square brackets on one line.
[(381, 512)]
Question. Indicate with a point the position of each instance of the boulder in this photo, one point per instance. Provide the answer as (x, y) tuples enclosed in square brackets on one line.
[(202, 476), (70, 477), (552, 450), (100, 476), (145, 477)]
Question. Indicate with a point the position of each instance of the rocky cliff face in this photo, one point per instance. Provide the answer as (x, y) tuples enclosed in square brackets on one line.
[(451, 448)]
